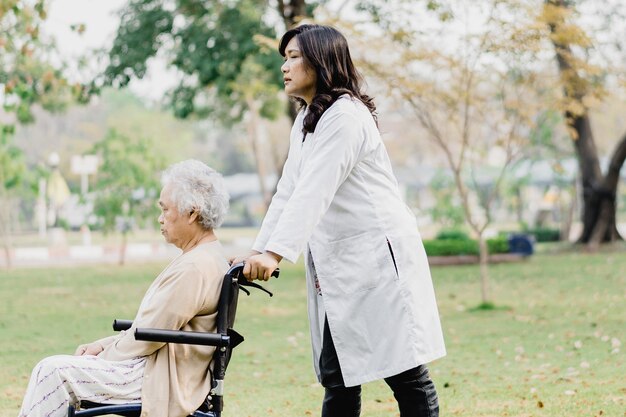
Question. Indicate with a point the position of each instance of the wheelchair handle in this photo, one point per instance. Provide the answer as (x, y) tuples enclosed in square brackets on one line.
[(236, 271), (119, 325)]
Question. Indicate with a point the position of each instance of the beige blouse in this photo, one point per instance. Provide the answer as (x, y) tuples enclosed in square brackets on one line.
[(184, 296)]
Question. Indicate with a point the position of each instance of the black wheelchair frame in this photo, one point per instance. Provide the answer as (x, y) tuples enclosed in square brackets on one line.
[(225, 340)]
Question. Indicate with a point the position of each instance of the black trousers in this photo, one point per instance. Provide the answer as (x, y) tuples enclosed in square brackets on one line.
[(413, 389)]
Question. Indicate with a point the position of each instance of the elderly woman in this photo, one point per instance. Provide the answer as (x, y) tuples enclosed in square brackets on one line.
[(170, 380)]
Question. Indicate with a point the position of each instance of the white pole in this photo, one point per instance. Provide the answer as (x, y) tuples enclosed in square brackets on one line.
[(41, 208), (84, 183)]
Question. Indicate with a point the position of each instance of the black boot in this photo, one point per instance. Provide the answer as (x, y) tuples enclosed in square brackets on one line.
[(415, 393)]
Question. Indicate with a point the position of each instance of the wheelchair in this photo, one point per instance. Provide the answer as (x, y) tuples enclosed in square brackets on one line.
[(225, 340)]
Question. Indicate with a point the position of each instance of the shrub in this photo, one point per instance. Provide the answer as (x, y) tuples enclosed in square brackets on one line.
[(545, 234), (452, 234), (498, 245), (450, 247)]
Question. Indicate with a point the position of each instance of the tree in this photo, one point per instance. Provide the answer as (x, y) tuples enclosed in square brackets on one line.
[(27, 79), (473, 73), (581, 83), (578, 46), (126, 185), (469, 93), (224, 51), (12, 169), (26, 74), (447, 210), (254, 88), (213, 45)]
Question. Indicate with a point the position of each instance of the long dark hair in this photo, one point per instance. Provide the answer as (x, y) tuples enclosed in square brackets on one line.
[(325, 50)]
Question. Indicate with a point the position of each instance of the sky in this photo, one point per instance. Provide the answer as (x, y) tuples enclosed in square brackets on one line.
[(101, 20)]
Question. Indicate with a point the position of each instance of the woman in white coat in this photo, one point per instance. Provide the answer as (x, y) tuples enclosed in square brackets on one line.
[(371, 302)]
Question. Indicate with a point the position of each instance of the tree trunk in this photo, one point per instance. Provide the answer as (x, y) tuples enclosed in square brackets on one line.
[(6, 245), (483, 256), (599, 192), (123, 245), (253, 129), (567, 210), (599, 222), (5, 228), (291, 11)]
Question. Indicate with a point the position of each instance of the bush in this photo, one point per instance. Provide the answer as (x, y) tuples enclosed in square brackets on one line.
[(541, 234), (498, 245), (451, 247), (452, 234), (545, 234)]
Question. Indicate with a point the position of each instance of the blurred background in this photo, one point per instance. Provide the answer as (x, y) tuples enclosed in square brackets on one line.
[(501, 117)]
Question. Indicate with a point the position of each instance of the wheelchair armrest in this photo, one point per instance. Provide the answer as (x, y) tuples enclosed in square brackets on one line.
[(119, 325), (182, 337)]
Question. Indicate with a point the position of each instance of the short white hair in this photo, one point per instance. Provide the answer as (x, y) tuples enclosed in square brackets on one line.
[(198, 187)]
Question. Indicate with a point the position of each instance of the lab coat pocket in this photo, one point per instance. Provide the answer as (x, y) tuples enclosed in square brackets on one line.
[(352, 264)]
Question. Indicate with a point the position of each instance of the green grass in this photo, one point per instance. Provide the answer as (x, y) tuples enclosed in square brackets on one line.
[(551, 345)]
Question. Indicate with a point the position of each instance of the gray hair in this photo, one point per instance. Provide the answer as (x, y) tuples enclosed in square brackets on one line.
[(196, 186)]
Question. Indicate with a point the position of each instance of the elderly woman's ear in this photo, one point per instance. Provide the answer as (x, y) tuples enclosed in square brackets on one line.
[(193, 216)]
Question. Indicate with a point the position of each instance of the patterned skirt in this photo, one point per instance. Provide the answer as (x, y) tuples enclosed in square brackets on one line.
[(58, 381)]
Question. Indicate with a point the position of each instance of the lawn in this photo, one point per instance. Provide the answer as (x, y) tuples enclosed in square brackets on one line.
[(553, 347)]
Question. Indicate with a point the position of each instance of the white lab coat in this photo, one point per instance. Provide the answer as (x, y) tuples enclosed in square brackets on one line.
[(338, 199)]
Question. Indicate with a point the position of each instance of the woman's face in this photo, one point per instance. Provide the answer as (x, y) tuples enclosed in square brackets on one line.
[(175, 226), (300, 79)]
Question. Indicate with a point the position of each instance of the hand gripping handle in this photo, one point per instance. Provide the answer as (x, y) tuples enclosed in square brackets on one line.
[(236, 271)]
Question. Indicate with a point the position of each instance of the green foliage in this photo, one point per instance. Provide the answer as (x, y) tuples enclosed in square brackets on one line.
[(447, 210), (127, 182), (12, 166), (452, 247), (254, 83), (498, 245), (26, 73), (27, 78), (129, 116), (12, 174), (452, 234), (545, 234), (544, 133), (209, 42)]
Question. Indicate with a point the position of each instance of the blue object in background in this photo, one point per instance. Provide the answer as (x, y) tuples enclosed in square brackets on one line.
[(521, 244)]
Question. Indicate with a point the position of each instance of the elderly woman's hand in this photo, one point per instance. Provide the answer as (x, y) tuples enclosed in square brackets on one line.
[(89, 349), (261, 266)]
